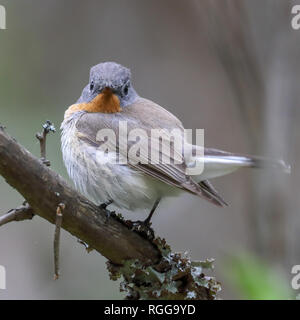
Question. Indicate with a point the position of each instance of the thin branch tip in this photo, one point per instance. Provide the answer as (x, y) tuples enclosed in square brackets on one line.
[(42, 137)]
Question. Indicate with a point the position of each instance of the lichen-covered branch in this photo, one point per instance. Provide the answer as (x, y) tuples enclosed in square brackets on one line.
[(148, 267)]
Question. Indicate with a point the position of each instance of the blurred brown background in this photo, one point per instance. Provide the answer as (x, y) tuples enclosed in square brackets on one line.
[(230, 67)]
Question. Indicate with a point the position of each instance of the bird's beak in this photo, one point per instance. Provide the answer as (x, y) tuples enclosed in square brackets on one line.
[(107, 91)]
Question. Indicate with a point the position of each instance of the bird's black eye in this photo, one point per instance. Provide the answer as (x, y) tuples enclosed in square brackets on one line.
[(125, 90), (92, 86)]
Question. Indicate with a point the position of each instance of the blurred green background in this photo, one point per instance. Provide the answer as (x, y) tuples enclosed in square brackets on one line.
[(230, 67)]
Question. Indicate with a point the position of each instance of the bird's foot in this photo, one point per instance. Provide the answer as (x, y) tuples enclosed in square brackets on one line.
[(144, 228), (103, 206)]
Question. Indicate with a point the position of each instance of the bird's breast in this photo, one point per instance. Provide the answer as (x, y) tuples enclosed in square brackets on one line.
[(104, 102)]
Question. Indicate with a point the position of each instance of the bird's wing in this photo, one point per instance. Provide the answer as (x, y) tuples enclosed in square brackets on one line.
[(206, 184), (146, 115)]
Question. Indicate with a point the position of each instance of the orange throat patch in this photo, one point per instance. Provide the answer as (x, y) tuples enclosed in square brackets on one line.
[(105, 102)]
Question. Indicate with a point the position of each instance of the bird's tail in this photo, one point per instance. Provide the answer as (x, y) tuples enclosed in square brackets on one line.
[(218, 163), (261, 162)]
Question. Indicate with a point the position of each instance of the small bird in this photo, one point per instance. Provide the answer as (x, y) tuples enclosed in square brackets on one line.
[(109, 99)]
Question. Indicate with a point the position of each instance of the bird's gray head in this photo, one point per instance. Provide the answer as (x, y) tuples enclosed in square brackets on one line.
[(109, 77)]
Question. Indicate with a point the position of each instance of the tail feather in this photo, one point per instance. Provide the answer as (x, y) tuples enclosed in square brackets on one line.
[(260, 162), (219, 163), (247, 160)]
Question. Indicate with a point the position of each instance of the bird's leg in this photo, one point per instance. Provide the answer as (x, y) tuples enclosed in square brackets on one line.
[(144, 227), (148, 219)]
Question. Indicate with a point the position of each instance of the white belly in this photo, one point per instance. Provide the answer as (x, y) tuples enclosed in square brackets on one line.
[(101, 181)]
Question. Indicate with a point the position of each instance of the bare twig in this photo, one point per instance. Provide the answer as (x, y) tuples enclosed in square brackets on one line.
[(47, 127), (42, 137), (24, 212), (58, 222)]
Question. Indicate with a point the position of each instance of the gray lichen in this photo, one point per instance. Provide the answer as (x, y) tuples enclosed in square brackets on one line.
[(174, 277)]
